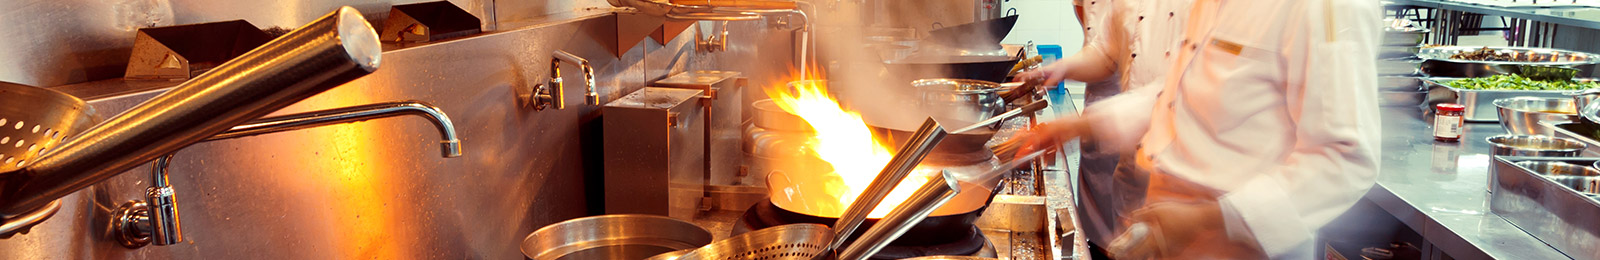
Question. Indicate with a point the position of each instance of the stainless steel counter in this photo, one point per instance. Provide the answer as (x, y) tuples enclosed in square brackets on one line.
[(1439, 190)]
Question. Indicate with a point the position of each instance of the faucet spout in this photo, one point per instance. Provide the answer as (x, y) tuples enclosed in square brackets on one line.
[(155, 220), (449, 144)]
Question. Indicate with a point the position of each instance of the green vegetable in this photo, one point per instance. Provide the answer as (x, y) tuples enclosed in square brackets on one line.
[(1515, 82)]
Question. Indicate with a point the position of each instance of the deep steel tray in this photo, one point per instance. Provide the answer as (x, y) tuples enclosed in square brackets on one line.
[(1437, 62), (1572, 130), (1555, 214), (1480, 103)]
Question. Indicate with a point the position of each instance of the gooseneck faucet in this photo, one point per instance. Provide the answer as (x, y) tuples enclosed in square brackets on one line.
[(155, 220), (549, 95)]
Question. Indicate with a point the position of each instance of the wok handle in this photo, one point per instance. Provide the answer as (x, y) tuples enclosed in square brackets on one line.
[(906, 159), (936, 192), (328, 52)]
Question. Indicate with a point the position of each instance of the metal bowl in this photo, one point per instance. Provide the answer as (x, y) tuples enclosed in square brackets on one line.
[(1521, 115), (1583, 179), (1535, 145), (961, 99), (613, 237)]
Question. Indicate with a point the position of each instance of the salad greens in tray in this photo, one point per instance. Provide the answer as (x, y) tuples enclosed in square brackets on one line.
[(1516, 82)]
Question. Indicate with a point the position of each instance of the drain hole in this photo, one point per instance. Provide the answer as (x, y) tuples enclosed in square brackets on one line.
[(19, 124), (35, 128)]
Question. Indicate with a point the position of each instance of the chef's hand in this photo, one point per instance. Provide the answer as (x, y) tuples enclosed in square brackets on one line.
[(1048, 135), (1049, 74), (1163, 229)]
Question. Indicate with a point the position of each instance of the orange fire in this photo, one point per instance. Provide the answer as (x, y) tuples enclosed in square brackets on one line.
[(844, 141)]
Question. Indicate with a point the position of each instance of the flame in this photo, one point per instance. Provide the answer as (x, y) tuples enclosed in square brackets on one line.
[(844, 141)]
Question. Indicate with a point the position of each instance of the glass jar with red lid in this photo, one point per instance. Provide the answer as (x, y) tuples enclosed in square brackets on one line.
[(1447, 122)]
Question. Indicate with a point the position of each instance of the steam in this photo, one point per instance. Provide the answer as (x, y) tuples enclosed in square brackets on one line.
[(853, 39)]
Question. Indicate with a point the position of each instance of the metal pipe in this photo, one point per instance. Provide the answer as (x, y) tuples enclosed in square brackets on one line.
[(330, 51), (450, 145), (158, 222), (161, 207), (590, 96), (906, 159), (929, 197)]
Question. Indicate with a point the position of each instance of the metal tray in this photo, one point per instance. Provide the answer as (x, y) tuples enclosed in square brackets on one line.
[(1555, 214), (1480, 103), (1572, 130), (1437, 62)]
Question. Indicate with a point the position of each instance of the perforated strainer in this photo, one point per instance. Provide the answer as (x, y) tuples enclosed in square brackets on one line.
[(34, 120), (792, 241)]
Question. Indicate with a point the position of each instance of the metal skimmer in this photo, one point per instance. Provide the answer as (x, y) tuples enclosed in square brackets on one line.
[(793, 241), (32, 121)]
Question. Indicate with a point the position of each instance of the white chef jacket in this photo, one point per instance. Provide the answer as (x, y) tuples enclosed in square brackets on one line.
[(1136, 39), (1273, 103)]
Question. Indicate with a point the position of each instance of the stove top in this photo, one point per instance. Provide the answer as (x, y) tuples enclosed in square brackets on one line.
[(967, 240)]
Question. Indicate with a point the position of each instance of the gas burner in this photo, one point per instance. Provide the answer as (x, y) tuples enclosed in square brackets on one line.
[(962, 239)]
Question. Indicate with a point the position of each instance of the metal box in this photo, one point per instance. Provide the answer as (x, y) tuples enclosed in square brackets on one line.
[(654, 152), (1555, 214), (723, 134)]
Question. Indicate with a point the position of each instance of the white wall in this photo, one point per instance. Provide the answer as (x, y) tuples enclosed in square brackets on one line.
[(1045, 22)]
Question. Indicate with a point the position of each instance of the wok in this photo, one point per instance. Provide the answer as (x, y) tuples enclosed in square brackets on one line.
[(992, 68), (792, 198), (981, 34), (900, 127)]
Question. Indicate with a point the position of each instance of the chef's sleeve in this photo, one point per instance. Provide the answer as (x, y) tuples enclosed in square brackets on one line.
[(1118, 123), (1332, 99), (1101, 42)]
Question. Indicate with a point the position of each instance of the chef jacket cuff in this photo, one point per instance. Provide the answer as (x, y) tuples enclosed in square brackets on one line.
[(1261, 209)]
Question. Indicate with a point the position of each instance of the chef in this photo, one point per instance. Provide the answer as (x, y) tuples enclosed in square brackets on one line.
[(1264, 129), (1128, 43)]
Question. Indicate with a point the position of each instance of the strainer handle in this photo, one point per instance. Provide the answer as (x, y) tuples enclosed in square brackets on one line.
[(21, 223)]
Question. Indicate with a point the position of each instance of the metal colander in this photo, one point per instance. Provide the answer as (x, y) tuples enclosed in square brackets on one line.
[(34, 119), (793, 241)]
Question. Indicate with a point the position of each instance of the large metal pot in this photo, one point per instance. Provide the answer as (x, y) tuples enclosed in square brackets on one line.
[(613, 237)]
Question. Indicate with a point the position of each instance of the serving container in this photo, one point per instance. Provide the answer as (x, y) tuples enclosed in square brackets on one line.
[(1437, 62), (1535, 145), (1548, 209), (1521, 115), (1480, 103)]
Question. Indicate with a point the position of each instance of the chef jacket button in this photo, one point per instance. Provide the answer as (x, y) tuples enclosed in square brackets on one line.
[(1169, 53), (1141, 18), (1135, 55), (1169, 14)]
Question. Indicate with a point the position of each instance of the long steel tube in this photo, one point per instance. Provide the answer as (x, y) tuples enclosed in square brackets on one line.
[(929, 197), (450, 144), (328, 52), (906, 159)]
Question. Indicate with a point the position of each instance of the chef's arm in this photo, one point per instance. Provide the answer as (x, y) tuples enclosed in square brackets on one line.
[(1333, 105), (1118, 122), (1093, 62)]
